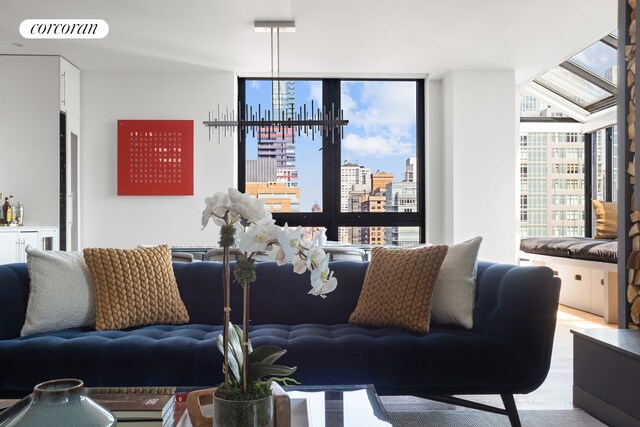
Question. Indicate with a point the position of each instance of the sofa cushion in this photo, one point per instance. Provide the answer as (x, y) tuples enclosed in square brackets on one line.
[(606, 219), (398, 287), (186, 355), (61, 294), (134, 287), (455, 290)]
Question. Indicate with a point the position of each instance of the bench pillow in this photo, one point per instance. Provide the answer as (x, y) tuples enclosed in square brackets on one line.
[(606, 219)]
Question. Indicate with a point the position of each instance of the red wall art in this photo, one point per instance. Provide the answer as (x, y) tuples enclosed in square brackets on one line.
[(155, 157)]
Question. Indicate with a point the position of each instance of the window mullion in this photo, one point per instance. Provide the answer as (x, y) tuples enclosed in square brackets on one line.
[(608, 164), (588, 181)]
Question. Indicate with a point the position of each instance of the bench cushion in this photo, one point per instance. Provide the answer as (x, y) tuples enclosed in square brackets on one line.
[(584, 248)]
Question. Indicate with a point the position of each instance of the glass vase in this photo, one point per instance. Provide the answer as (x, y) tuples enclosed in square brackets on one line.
[(238, 413), (62, 403)]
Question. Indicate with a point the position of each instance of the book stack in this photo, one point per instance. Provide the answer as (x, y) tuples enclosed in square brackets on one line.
[(139, 410)]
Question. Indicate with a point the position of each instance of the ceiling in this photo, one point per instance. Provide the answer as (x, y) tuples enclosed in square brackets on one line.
[(345, 38)]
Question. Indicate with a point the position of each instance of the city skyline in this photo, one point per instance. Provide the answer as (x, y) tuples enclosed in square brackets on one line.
[(381, 133)]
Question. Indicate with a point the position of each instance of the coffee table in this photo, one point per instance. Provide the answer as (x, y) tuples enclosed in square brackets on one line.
[(340, 406), (331, 406), (312, 406)]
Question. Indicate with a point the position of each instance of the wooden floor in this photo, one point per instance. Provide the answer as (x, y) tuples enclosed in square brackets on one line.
[(556, 392)]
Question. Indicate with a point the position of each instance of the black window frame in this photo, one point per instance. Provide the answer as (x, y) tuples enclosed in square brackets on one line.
[(590, 176), (331, 217)]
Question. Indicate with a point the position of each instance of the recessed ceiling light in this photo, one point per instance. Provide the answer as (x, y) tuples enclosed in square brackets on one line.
[(16, 44)]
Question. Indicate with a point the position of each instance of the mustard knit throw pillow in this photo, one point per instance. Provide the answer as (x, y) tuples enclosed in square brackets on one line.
[(398, 288), (134, 287), (606, 219)]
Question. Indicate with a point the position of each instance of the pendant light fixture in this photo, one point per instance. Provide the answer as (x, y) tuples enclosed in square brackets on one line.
[(305, 121)]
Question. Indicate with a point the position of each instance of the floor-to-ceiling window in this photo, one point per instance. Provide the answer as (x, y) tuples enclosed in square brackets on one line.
[(366, 187)]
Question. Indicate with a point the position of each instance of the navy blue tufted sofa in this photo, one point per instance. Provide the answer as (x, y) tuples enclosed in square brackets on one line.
[(508, 350)]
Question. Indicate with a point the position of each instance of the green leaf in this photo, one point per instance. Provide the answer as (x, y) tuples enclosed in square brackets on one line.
[(235, 343), (234, 366), (259, 370), (266, 354)]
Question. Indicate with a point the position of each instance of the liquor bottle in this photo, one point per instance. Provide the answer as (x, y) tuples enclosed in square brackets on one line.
[(13, 210), (19, 213), (1, 212), (7, 212)]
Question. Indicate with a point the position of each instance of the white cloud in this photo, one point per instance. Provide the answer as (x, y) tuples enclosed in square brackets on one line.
[(315, 92), (387, 108), (376, 146), (254, 84), (381, 119)]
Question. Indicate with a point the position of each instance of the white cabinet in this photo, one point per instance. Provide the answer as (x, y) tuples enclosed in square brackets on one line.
[(26, 238), (586, 285), (9, 247), (575, 289), (598, 280), (14, 241)]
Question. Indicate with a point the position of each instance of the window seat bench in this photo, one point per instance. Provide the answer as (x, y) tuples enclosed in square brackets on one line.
[(587, 267)]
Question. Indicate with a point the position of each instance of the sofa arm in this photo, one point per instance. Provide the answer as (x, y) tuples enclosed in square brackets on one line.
[(14, 294), (519, 305)]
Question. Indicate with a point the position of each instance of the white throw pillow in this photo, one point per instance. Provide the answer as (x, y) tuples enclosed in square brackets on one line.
[(455, 291), (61, 294)]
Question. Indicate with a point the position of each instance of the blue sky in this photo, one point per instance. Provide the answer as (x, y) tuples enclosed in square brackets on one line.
[(381, 133)]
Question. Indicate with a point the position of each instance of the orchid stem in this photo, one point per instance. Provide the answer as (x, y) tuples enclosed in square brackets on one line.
[(245, 334), (227, 309)]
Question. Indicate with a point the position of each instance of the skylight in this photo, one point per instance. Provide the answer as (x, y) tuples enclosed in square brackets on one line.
[(588, 79), (572, 87)]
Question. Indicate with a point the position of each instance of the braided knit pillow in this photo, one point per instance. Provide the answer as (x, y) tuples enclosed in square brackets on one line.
[(134, 287), (398, 288)]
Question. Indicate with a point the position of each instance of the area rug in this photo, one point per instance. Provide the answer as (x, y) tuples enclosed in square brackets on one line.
[(471, 418)]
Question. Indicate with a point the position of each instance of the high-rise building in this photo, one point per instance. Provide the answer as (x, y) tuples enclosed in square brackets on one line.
[(552, 194), (401, 197), (261, 170), (277, 196), (611, 74), (279, 143), (372, 235), (379, 181), (351, 174), (410, 170)]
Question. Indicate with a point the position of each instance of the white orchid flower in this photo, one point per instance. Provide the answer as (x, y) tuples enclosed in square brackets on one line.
[(315, 256), (254, 239), (322, 280), (246, 205), (300, 265), (290, 239), (263, 235), (268, 224), (215, 208), (277, 253)]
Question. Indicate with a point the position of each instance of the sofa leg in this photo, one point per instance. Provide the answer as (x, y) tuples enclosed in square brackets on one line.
[(512, 411)]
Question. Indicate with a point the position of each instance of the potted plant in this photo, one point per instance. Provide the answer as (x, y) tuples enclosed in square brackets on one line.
[(244, 397)]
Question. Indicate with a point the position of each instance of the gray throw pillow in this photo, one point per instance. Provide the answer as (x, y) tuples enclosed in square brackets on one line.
[(61, 294), (455, 290)]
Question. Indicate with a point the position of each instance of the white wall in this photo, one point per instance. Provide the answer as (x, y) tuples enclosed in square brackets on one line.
[(479, 158), (435, 185), (126, 221), (29, 134)]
